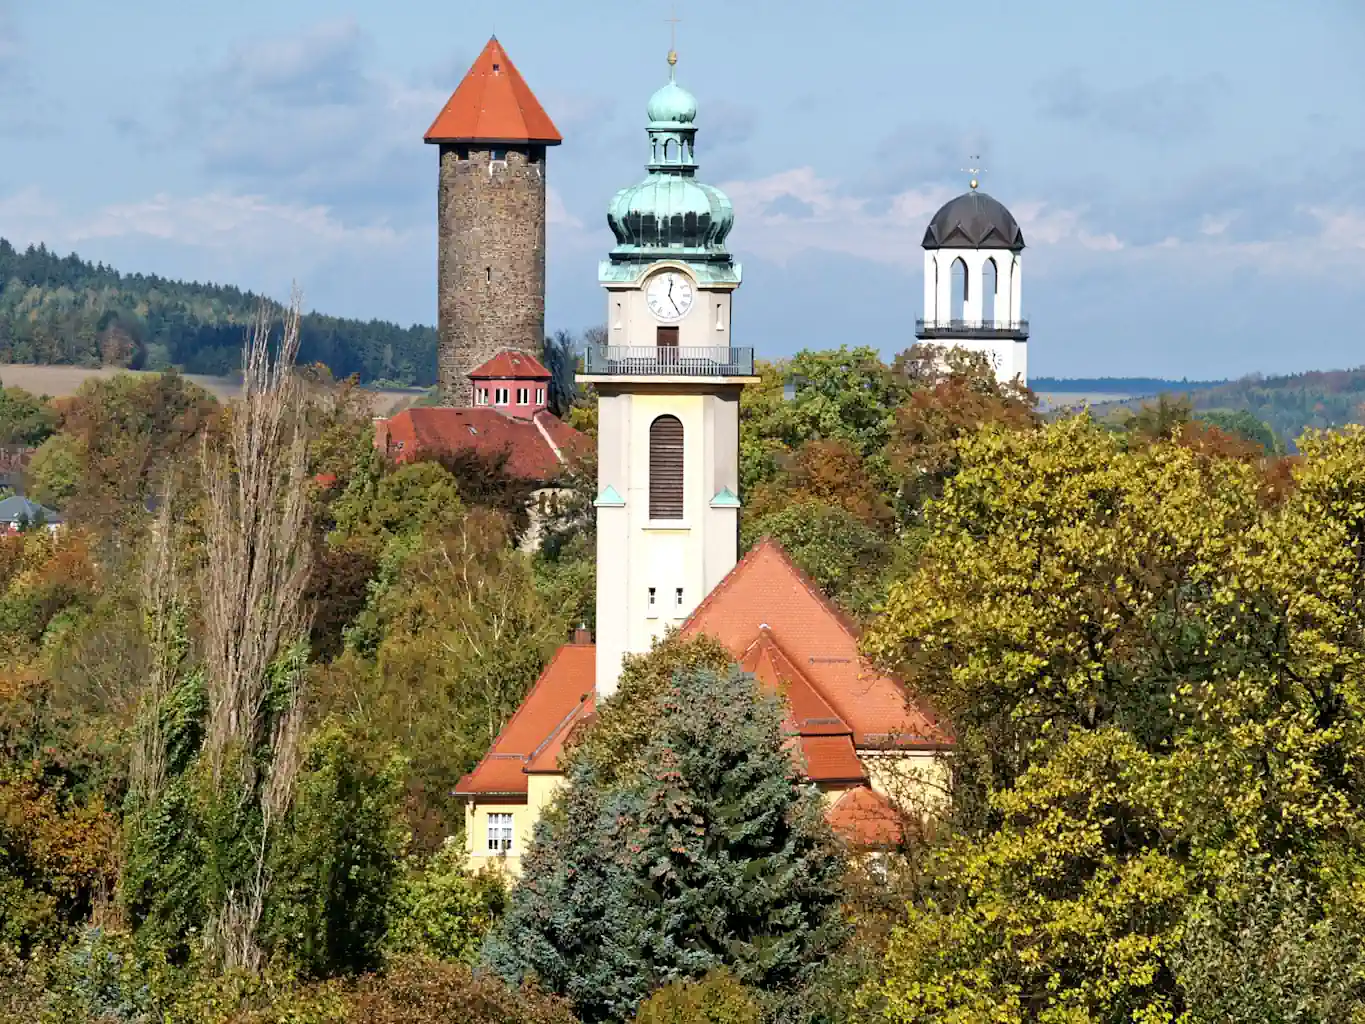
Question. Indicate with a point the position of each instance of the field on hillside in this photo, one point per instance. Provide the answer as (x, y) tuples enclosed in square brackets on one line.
[(62, 381)]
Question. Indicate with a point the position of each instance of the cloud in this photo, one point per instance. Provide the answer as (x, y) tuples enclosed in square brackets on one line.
[(304, 118), (797, 212), (1164, 108)]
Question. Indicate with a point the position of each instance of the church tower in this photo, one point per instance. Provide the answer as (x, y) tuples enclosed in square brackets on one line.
[(668, 380), (972, 274), (492, 136)]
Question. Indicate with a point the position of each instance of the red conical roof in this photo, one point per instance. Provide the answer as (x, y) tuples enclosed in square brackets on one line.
[(493, 104)]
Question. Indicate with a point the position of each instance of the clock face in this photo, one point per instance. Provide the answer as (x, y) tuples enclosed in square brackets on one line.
[(670, 295)]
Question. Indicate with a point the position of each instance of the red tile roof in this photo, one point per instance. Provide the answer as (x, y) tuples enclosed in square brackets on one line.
[(562, 694), (784, 631), (509, 364), (866, 819), (538, 448), (493, 104), (765, 590)]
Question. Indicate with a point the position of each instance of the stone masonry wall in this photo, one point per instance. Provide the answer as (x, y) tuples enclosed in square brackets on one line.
[(490, 260)]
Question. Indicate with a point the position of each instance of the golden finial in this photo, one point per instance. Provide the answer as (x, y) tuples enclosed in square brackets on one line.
[(672, 41), (974, 170)]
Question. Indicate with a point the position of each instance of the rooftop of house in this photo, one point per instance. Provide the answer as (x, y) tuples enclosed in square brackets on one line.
[(538, 447), (509, 364), (784, 631), (18, 509), (493, 104)]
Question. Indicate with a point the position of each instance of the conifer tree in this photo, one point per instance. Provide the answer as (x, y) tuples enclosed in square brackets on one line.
[(712, 854)]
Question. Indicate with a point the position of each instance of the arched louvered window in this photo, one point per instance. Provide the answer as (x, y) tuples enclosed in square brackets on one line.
[(666, 468)]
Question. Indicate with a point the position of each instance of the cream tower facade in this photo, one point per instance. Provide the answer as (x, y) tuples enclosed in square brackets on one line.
[(973, 274), (668, 380)]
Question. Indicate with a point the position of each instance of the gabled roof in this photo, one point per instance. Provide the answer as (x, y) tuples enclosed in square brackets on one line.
[(511, 363), (16, 508), (865, 818), (493, 104), (766, 591), (562, 694), (538, 448)]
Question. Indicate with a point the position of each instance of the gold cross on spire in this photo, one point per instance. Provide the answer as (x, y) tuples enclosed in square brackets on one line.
[(974, 169), (673, 37)]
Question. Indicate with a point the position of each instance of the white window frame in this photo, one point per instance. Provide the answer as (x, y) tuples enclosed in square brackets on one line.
[(523, 396), (500, 833), (651, 604), (481, 396), (500, 395), (540, 396)]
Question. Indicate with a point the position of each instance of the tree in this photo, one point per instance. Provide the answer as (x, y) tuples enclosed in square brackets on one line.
[(715, 999), (25, 420), (713, 854), (1153, 680), (54, 471)]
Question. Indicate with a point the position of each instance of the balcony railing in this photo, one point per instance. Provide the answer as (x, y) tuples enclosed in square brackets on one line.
[(651, 361), (929, 329)]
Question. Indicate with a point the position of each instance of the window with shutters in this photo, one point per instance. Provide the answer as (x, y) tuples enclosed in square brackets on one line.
[(666, 468)]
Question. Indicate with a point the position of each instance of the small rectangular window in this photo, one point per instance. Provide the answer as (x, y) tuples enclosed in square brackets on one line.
[(488, 275), (652, 607), (540, 396), (500, 396), (720, 319), (677, 598), (499, 833), (523, 396), (481, 396), (498, 156)]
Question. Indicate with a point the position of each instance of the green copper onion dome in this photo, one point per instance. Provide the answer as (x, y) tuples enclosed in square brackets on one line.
[(672, 105), (671, 213)]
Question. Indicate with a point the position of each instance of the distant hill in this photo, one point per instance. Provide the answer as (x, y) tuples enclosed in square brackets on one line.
[(62, 310), (1318, 400), (1116, 385)]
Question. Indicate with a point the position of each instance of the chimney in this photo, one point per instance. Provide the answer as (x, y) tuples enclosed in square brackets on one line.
[(582, 635)]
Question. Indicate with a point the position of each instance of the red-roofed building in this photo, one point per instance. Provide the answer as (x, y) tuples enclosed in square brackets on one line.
[(512, 382), (856, 733)]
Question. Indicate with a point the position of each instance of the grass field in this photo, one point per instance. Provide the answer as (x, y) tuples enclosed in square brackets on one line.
[(1050, 400), (62, 381)]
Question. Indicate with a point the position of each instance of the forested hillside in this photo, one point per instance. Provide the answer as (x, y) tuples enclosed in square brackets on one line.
[(1320, 400), (62, 309)]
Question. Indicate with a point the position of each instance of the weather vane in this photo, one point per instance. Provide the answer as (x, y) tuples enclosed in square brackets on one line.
[(673, 37), (975, 169)]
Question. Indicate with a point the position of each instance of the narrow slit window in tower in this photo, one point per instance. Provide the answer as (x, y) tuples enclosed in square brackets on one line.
[(488, 275), (651, 606), (720, 319), (677, 598), (989, 289)]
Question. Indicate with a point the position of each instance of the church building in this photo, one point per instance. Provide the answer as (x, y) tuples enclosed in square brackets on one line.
[(668, 379)]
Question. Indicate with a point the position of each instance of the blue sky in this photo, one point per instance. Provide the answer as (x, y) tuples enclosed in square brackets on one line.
[(1190, 178)]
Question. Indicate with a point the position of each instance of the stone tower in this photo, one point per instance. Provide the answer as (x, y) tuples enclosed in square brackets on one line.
[(668, 379), (492, 134)]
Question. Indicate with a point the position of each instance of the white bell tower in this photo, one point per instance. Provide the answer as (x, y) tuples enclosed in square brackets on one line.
[(668, 380), (972, 273)]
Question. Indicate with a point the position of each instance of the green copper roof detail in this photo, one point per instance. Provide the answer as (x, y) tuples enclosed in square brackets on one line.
[(609, 498), (672, 105), (671, 213), (725, 499)]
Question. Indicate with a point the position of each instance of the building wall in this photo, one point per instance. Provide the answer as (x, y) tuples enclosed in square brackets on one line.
[(490, 259), (523, 410), (541, 790), (706, 325), (635, 553)]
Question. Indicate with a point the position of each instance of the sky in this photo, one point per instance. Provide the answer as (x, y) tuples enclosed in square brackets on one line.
[(1190, 178)]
